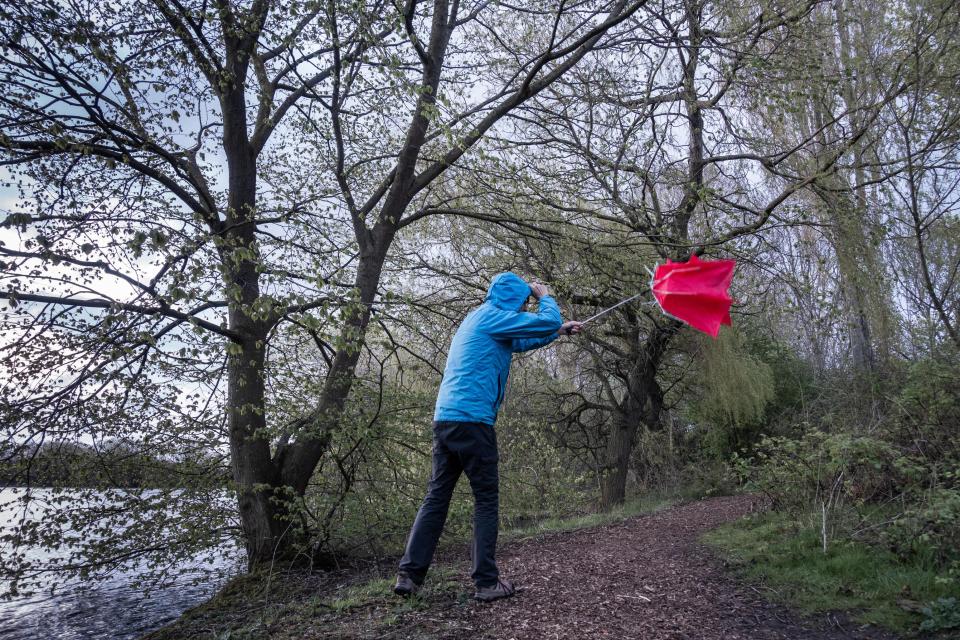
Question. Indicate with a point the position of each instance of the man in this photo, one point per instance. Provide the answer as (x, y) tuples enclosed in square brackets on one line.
[(464, 439)]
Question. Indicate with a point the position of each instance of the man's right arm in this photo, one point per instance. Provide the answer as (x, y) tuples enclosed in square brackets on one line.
[(508, 325)]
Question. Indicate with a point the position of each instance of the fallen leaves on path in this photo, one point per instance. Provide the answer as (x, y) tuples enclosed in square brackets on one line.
[(647, 577)]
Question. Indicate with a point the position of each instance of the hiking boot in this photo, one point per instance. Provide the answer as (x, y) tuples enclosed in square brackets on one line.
[(503, 589), (405, 585)]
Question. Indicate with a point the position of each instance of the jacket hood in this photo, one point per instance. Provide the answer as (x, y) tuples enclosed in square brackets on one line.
[(508, 291)]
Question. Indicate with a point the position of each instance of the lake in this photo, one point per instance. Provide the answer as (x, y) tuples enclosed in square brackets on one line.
[(108, 608)]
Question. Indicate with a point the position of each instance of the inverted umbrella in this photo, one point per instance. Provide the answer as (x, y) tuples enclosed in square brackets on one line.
[(694, 292)]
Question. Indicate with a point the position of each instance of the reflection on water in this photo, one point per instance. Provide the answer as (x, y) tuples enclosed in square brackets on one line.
[(110, 608)]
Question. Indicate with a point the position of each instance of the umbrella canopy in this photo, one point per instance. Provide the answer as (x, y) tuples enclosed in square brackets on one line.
[(695, 292)]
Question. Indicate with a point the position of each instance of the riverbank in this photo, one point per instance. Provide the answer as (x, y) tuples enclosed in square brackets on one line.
[(629, 575)]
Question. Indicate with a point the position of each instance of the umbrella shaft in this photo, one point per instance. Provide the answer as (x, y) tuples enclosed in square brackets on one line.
[(609, 309)]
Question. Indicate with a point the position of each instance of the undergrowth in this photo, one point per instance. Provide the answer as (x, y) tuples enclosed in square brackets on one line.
[(872, 584)]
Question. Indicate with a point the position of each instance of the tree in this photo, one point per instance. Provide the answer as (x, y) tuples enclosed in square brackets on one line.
[(196, 176), (849, 239), (922, 174), (649, 151)]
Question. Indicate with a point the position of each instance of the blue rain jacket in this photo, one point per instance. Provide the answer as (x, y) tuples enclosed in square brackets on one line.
[(478, 364)]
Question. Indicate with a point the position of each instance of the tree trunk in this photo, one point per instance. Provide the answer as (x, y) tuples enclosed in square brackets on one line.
[(867, 306), (642, 404), (866, 311), (297, 461), (262, 514), (613, 487), (255, 475)]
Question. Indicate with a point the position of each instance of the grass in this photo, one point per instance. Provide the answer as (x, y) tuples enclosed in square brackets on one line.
[(293, 609), (634, 507), (441, 582), (872, 584)]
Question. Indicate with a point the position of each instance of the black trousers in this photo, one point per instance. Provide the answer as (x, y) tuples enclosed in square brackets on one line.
[(459, 447)]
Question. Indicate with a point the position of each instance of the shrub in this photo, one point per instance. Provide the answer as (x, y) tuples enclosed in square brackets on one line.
[(928, 410), (941, 615), (835, 478), (800, 473), (930, 530), (707, 478)]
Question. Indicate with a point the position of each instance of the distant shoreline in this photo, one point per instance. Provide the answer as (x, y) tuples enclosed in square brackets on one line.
[(79, 487)]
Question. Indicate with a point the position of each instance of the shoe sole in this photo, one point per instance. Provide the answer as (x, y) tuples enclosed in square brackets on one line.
[(493, 599)]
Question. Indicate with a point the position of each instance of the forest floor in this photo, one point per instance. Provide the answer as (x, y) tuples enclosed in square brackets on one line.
[(647, 577)]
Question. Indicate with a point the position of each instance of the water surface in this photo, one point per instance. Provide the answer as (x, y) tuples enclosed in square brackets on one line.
[(108, 608)]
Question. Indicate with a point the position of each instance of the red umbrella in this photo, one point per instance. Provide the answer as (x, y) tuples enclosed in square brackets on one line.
[(695, 292)]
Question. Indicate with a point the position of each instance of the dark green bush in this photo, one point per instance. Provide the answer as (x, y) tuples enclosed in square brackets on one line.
[(929, 530), (942, 614), (817, 468)]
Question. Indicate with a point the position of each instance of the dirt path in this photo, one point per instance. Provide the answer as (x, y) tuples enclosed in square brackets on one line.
[(647, 578)]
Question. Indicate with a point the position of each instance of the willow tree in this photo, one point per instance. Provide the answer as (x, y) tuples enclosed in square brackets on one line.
[(849, 72), (648, 151), (880, 67), (195, 175), (921, 171)]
